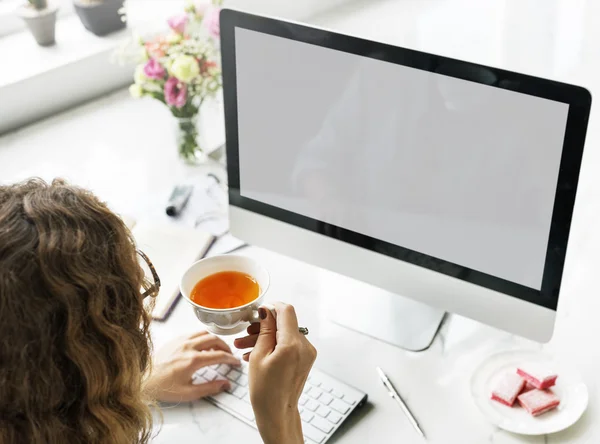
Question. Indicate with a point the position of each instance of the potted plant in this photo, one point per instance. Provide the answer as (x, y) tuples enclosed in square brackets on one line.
[(41, 21), (181, 69), (100, 17)]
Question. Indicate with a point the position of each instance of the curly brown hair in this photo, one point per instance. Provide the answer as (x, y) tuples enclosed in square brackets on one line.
[(74, 333)]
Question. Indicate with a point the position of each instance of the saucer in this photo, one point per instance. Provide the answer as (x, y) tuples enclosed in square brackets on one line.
[(569, 388)]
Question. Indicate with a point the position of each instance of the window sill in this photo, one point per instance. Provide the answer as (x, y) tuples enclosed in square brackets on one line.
[(40, 81), (73, 43)]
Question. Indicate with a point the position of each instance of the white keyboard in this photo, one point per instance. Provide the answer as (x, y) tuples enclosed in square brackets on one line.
[(324, 405)]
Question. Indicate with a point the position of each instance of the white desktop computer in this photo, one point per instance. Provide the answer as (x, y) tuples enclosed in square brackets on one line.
[(445, 185)]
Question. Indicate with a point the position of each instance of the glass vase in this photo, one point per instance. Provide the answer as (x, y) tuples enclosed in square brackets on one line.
[(189, 140)]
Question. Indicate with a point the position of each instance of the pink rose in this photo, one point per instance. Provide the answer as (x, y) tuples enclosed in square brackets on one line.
[(175, 92), (211, 21), (178, 23), (154, 70)]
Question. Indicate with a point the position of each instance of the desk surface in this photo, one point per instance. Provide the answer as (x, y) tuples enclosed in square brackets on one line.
[(123, 150)]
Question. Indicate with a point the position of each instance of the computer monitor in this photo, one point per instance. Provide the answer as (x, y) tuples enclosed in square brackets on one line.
[(439, 180)]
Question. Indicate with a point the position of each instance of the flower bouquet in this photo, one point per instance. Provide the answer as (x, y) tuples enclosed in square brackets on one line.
[(181, 69)]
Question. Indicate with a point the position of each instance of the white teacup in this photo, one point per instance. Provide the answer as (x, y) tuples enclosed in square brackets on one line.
[(228, 321)]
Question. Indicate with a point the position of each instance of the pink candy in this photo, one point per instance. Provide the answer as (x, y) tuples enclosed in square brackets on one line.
[(538, 379), (538, 401), (530, 388), (508, 389)]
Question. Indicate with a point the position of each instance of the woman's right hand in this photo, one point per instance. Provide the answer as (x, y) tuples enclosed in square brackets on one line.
[(279, 365)]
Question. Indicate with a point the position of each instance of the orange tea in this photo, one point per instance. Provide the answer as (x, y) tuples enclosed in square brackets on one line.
[(227, 289)]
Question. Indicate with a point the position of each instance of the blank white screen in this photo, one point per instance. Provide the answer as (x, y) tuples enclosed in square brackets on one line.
[(455, 169)]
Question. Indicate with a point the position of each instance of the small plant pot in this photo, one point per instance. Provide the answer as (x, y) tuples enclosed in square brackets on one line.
[(100, 17), (42, 23)]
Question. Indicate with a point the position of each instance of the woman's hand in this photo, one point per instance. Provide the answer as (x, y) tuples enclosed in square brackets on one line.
[(176, 362), (279, 366)]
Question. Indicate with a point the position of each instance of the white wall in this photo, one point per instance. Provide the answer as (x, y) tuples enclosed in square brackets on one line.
[(291, 9)]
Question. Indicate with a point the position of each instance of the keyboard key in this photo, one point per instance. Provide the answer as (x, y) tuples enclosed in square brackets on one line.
[(323, 411), (240, 392), (199, 380), (223, 369), (235, 404), (348, 400), (314, 393), (303, 400), (314, 382), (233, 375), (246, 398), (312, 405), (339, 406), (325, 398), (322, 425), (214, 367), (201, 371), (211, 375), (313, 434), (243, 380), (326, 388), (306, 416), (244, 368), (232, 387), (337, 394), (334, 417)]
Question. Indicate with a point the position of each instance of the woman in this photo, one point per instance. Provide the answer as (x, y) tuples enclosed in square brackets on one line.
[(74, 334)]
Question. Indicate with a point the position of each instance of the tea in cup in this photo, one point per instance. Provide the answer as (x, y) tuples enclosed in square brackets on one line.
[(225, 292)]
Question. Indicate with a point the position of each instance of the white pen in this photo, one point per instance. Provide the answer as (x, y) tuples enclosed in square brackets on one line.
[(394, 394)]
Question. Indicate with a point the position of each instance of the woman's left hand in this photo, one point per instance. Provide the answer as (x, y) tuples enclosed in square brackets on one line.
[(176, 363)]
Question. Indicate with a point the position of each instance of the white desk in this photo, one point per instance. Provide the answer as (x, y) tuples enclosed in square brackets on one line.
[(123, 150)]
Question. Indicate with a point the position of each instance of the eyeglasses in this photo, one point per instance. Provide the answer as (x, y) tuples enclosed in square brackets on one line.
[(151, 287)]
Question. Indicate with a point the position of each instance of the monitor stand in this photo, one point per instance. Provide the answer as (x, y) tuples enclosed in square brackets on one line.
[(382, 315)]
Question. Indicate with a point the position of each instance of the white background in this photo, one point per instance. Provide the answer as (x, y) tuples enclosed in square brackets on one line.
[(123, 149)]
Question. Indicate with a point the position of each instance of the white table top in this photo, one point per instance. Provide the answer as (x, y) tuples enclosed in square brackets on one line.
[(123, 150)]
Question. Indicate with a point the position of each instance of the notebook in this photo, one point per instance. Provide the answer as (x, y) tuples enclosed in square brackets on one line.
[(172, 248)]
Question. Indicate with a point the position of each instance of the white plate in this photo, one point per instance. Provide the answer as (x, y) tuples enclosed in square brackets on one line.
[(569, 388)]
